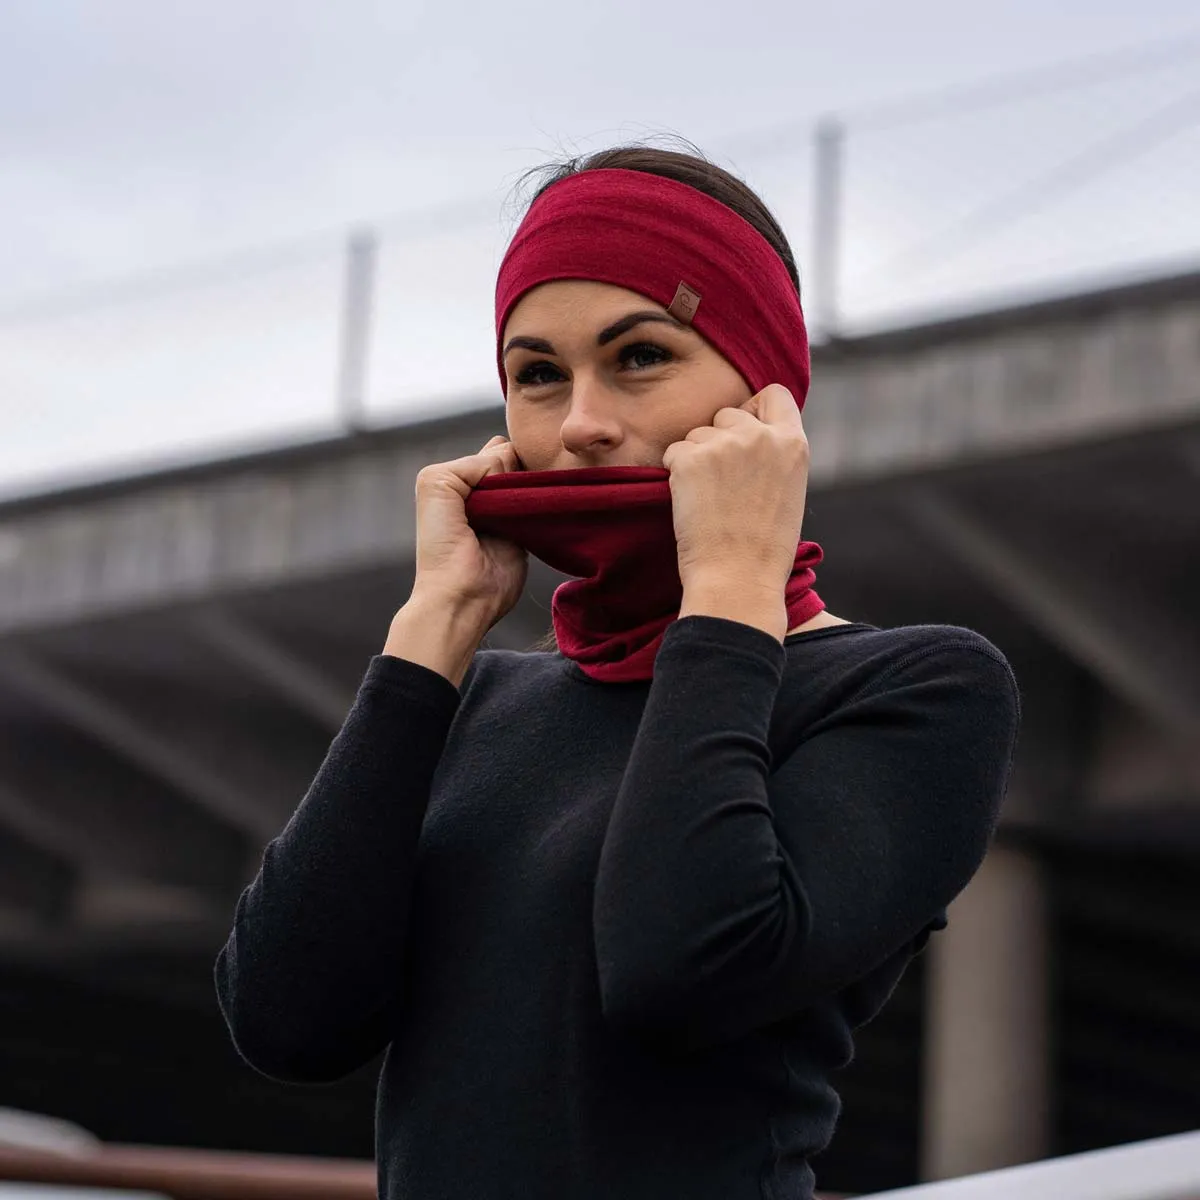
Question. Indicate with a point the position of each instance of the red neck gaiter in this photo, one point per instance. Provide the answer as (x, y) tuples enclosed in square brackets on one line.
[(612, 527)]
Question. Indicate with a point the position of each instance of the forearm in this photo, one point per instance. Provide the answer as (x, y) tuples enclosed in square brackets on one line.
[(736, 885), (309, 975), (692, 894)]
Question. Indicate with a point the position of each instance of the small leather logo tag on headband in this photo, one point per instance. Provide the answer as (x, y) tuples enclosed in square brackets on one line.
[(683, 307)]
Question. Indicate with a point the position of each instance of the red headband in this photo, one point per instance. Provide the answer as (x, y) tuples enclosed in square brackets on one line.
[(709, 267)]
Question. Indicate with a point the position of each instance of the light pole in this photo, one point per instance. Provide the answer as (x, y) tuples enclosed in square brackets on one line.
[(830, 137), (357, 295)]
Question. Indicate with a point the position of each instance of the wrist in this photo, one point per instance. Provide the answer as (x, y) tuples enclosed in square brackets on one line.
[(439, 633), (454, 609), (732, 599)]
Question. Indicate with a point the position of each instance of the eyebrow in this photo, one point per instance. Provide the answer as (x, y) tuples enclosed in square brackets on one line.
[(606, 335)]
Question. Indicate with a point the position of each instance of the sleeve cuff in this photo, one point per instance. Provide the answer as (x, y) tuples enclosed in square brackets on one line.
[(703, 635), (414, 682)]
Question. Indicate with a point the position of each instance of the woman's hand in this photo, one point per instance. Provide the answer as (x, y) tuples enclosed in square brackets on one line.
[(738, 489), (454, 567)]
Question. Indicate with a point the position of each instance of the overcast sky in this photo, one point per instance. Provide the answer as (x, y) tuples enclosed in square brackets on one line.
[(139, 135)]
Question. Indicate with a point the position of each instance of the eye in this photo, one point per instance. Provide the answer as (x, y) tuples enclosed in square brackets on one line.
[(535, 373), (640, 355)]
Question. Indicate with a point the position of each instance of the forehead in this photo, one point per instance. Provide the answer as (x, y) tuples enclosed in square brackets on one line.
[(569, 305)]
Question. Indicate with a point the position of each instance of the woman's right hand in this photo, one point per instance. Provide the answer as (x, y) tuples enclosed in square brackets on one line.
[(453, 564)]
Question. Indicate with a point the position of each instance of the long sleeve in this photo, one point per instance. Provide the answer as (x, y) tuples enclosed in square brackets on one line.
[(309, 978), (732, 891)]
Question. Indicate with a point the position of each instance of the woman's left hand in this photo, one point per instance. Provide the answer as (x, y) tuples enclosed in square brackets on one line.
[(738, 489)]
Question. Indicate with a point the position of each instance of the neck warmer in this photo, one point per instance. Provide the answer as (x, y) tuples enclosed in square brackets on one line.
[(611, 527)]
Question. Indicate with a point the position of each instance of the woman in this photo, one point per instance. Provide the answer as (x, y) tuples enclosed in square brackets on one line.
[(615, 911)]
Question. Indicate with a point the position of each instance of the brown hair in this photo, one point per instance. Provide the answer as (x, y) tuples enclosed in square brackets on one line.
[(684, 166)]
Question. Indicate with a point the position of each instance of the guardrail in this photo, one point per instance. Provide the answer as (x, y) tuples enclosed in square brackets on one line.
[(1161, 1169), (153, 1172), (193, 1174)]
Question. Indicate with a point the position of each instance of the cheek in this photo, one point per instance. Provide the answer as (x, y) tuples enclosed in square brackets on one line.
[(736, 388), (535, 440), (720, 386)]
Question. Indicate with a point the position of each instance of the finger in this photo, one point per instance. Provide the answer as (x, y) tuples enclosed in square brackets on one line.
[(672, 453), (490, 460), (508, 448), (777, 406), (726, 417), (503, 458)]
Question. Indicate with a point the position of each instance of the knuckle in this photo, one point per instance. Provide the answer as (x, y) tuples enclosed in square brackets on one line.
[(432, 472)]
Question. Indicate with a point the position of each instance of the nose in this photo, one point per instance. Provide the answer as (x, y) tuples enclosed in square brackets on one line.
[(591, 426)]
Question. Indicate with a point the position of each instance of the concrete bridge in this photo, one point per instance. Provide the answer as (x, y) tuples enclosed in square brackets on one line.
[(177, 650)]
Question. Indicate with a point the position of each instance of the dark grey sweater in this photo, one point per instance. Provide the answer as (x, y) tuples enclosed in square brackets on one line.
[(616, 937)]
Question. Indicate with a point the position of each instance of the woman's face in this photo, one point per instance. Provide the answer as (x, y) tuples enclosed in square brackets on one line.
[(599, 376)]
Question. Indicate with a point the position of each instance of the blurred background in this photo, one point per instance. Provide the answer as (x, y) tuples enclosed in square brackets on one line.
[(246, 270)]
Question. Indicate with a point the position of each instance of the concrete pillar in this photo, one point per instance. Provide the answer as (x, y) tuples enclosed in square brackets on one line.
[(986, 1014)]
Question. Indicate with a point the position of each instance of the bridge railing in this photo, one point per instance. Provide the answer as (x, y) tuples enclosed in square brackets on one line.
[(1161, 1169), (156, 1173)]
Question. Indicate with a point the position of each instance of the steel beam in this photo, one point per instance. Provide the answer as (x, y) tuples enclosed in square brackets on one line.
[(125, 736), (295, 681), (33, 883), (1060, 602)]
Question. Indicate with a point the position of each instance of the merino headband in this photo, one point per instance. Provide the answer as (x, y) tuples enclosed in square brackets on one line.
[(710, 268)]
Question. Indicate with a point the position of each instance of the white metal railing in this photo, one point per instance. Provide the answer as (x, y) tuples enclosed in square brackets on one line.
[(1162, 1169), (60, 1161)]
